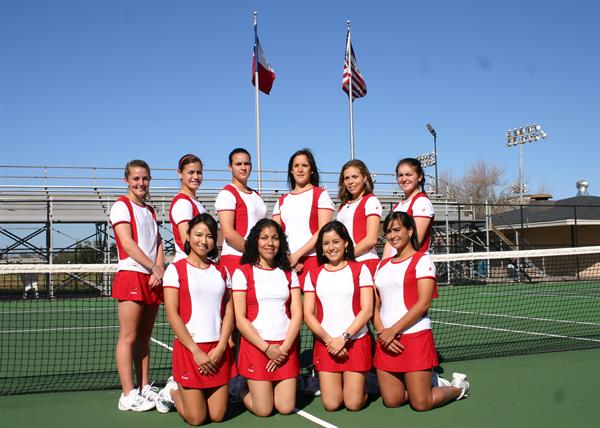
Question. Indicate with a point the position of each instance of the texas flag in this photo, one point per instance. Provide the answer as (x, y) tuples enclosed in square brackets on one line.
[(266, 74)]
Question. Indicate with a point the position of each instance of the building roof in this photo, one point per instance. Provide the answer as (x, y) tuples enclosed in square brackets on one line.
[(580, 210)]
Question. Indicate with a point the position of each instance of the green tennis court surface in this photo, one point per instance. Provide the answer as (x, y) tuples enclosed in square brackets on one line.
[(68, 344), (549, 390)]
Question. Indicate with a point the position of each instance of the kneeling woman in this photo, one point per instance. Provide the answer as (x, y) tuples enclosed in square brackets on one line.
[(200, 312), (338, 303), (405, 352), (268, 314)]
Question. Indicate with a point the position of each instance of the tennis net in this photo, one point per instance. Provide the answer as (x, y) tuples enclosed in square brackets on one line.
[(59, 327)]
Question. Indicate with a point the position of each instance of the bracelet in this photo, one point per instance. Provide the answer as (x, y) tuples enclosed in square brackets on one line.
[(153, 266), (267, 348)]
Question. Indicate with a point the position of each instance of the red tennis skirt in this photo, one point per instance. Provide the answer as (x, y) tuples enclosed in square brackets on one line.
[(230, 262), (187, 373), (132, 285), (308, 264), (372, 265), (252, 362), (359, 356), (419, 354)]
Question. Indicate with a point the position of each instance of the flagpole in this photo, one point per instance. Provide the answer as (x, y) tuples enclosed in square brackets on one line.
[(257, 104), (349, 59)]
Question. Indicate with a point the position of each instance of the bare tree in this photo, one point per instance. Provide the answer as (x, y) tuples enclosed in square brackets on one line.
[(482, 182)]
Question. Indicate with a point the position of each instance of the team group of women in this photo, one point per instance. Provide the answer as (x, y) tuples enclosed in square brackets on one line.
[(271, 275)]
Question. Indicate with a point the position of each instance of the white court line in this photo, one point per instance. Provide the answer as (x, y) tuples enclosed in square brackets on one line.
[(518, 317), (314, 419), (299, 412), (540, 294), (507, 330), (163, 344), (56, 330)]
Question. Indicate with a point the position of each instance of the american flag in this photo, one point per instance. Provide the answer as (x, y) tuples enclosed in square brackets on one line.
[(359, 87)]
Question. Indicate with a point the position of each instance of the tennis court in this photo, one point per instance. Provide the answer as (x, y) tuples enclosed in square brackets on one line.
[(556, 389), (67, 344)]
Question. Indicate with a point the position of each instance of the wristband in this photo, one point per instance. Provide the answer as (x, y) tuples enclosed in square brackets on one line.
[(267, 348)]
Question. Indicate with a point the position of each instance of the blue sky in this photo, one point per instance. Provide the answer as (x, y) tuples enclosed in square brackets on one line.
[(101, 82)]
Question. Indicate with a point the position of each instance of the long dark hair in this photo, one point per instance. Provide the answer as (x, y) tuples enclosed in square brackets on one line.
[(339, 228), (251, 255), (343, 193), (314, 172), (416, 164), (406, 221), (212, 227)]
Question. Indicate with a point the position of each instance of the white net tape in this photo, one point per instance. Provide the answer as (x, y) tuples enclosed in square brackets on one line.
[(492, 255)]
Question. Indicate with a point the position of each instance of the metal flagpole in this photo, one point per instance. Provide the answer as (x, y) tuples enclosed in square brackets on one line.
[(349, 59), (257, 104)]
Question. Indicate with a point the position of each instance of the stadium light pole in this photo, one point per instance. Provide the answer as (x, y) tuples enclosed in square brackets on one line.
[(426, 159), (520, 136), (432, 131)]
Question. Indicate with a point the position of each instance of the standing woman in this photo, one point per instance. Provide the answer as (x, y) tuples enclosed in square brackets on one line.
[(184, 205), (405, 353), (268, 314), (416, 203), (303, 211), (200, 312), (137, 285), (338, 303), (360, 211), (239, 208)]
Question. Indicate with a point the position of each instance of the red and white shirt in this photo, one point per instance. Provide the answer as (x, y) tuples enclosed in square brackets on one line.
[(419, 206), (144, 231), (201, 303), (300, 217), (338, 296), (183, 208), (268, 298), (354, 216), (396, 283), (248, 209)]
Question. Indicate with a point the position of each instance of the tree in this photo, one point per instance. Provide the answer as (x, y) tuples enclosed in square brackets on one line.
[(482, 182)]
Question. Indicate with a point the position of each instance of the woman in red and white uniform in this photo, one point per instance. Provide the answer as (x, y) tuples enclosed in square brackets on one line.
[(200, 312), (405, 352), (303, 211), (416, 203), (184, 205), (137, 285), (338, 303), (268, 314), (239, 208), (360, 211)]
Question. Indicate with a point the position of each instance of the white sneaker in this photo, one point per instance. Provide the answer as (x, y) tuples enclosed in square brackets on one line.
[(312, 386), (437, 380), (149, 392), (135, 402), (164, 402), (459, 380)]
